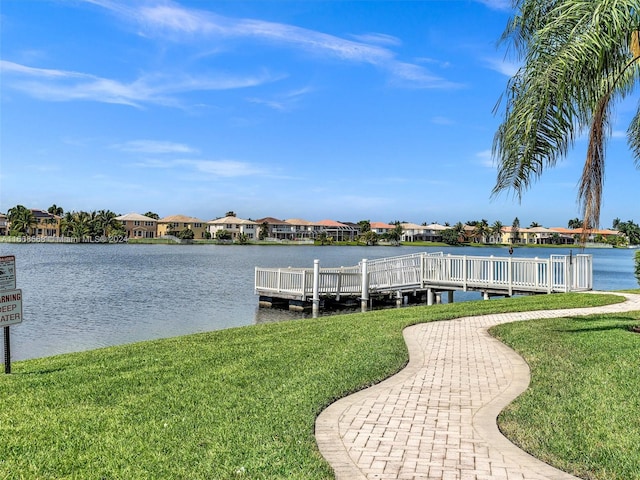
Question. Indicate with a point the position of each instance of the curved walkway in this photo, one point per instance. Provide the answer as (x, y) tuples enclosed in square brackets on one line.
[(436, 419)]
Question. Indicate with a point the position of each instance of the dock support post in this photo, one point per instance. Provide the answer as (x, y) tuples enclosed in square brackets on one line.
[(438, 298), (429, 297), (315, 307), (485, 296), (364, 299), (398, 298), (450, 296)]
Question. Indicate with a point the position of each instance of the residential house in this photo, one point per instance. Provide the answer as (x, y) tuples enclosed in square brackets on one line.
[(47, 224), (4, 225), (278, 229), (575, 235), (139, 226), (511, 235), (381, 228), (412, 232), (303, 229), (177, 223), (235, 226), (340, 232)]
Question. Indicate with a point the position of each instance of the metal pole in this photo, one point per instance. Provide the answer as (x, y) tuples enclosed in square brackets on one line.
[(7, 350), (316, 288), (364, 298)]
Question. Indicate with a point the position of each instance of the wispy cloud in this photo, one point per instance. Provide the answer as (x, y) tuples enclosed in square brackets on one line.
[(439, 120), (502, 66), (485, 158), (497, 4), (172, 21), (283, 102), (63, 85), (216, 168), (154, 147)]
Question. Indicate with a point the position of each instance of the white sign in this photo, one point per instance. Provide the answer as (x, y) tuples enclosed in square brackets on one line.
[(7, 273), (10, 307)]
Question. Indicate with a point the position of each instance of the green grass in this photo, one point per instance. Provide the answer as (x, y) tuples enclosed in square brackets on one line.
[(238, 403), (582, 410)]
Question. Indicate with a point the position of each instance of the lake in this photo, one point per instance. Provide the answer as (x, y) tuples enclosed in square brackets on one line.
[(85, 296)]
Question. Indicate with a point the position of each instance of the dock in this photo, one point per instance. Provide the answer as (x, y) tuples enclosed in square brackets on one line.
[(420, 278)]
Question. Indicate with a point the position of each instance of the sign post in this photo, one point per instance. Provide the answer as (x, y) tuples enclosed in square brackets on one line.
[(10, 304)]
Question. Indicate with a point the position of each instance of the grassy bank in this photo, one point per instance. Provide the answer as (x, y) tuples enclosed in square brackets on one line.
[(582, 410), (238, 403)]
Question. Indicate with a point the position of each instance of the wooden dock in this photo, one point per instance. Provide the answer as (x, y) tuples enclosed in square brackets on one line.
[(422, 277)]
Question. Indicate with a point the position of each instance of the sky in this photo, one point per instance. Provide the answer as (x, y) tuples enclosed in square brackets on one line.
[(344, 110)]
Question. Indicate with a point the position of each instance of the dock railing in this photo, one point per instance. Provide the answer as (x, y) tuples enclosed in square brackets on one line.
[(424, 271)]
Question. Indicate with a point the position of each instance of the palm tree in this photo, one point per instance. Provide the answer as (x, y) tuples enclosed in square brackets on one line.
[(55, 210), (496, 230), (395, 235), (575, 223), (22, 221), (580, 57)]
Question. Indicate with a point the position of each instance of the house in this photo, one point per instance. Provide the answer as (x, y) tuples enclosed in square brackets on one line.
[(47, 224), (422, 233), (235, 226), (177, 223), (278, 229), (4, 225), (575, 235), (511, 235), (340, 232), (381, 228), (139, 226), (303, 229)]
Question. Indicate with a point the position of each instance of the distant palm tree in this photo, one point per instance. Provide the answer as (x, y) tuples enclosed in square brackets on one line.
[(22, 221), (480, 231), (55, 210), (496, 230)]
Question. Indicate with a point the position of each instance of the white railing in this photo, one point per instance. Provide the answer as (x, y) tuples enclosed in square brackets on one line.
[(558, 273)]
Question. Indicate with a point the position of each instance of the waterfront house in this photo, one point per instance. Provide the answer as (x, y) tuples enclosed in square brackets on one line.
[(340, 232), (235, 226), (177, 223), (277, 229), (139, 226), (303, 229), (381, 228), (4, 225), (47, 224)]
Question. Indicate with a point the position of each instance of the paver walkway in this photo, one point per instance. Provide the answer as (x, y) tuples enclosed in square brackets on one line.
[(436, 419)]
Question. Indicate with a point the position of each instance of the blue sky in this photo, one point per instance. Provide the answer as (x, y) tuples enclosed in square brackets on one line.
[(349, 110)]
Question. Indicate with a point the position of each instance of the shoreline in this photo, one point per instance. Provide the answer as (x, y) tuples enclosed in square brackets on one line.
[(278, 243)]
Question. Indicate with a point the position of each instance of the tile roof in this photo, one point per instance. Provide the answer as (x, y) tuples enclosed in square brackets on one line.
[(135, 217), (232, 220), (180, 219)]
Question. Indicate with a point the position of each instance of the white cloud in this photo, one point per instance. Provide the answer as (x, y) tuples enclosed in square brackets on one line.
[(503, 66), (440, 120), (61, 85), (154, 146), (216, 168), (173, 21), (497, 4), (485, 158)]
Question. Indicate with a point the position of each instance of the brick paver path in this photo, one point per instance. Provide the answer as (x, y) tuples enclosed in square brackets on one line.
[(436, 419)]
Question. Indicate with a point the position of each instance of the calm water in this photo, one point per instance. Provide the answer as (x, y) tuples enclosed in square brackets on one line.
[(80, 297)]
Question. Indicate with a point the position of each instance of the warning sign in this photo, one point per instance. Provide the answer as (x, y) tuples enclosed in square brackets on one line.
[(7, 273), (10, 307)]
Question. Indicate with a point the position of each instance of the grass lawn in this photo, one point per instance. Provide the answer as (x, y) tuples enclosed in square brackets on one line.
[(238, 403), (582, 410)]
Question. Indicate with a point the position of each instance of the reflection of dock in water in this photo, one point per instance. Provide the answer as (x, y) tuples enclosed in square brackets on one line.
[(419, 278)]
